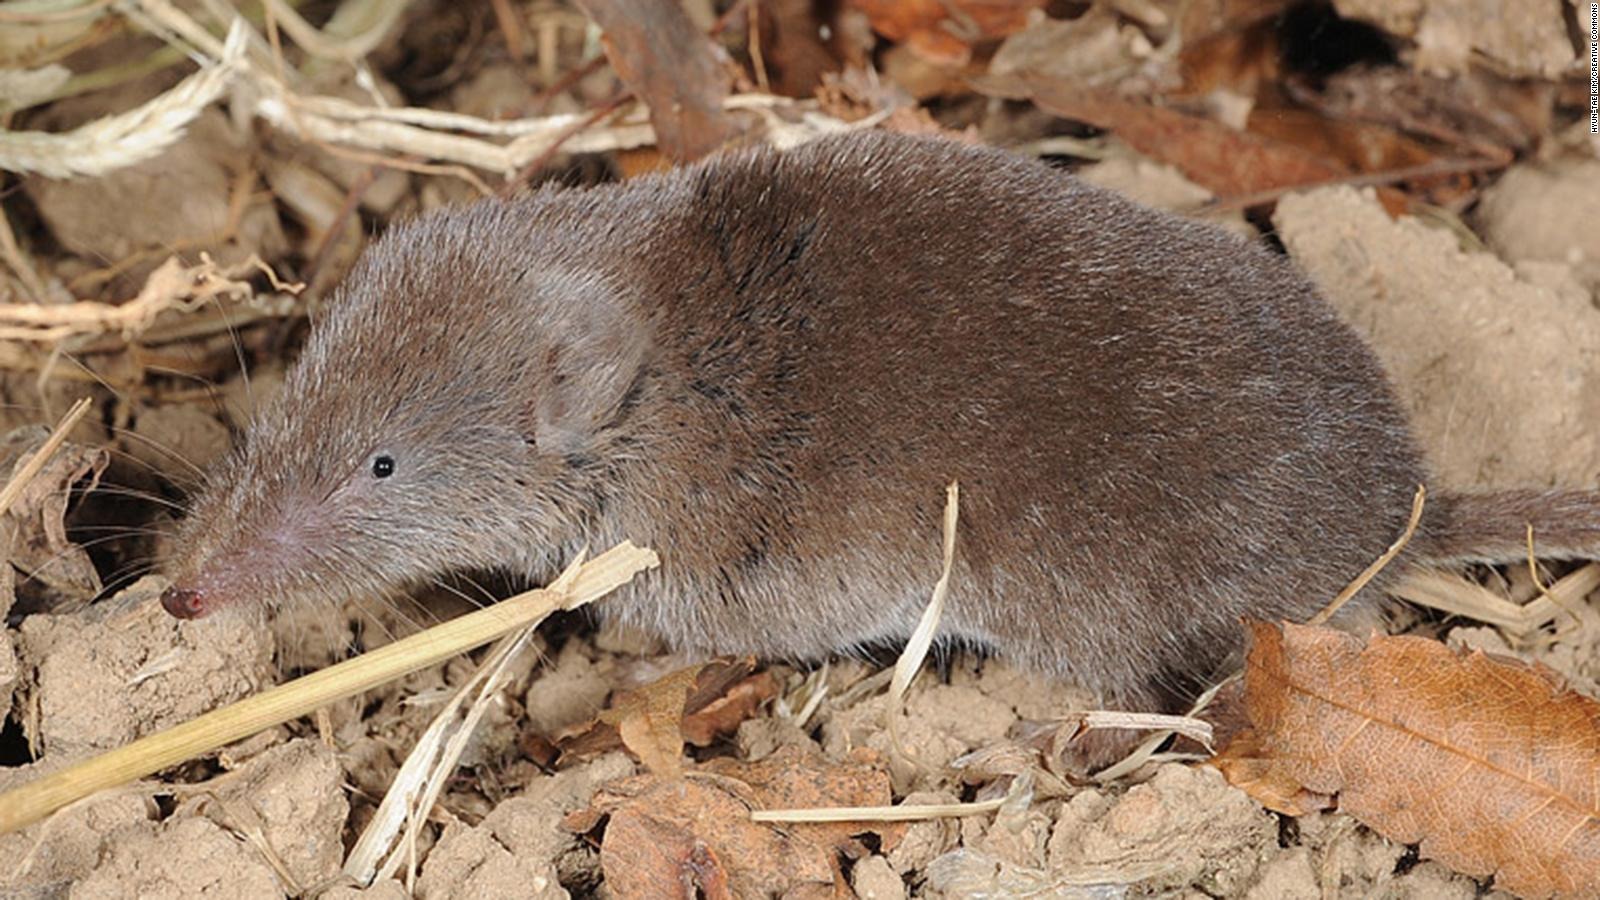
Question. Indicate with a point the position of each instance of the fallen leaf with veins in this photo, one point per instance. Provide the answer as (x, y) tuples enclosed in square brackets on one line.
[(723, 713), (1490, 764), (673, 837), (650, 721), (721, 694), (790, 779)]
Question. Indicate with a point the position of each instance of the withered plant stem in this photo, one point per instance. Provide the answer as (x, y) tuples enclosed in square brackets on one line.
[(151, 754)]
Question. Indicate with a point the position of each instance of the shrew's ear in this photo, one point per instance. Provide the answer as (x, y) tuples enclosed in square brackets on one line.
[(594, 346)]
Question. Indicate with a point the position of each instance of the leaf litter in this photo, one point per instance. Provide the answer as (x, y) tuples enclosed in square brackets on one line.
[(1489, 764), (1424, 117)]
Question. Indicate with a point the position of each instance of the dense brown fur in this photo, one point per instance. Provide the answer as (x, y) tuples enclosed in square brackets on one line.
[(768, 367)]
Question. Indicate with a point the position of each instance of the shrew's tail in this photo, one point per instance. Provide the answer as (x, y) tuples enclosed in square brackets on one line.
[(1493, 527)]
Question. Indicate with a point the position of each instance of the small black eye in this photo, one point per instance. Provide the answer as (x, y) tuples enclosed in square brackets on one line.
[(383, 467)]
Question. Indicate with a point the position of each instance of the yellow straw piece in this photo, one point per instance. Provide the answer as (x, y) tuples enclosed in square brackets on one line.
[(218, 728)]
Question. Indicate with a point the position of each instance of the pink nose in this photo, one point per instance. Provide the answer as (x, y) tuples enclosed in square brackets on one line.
[(183, 603)]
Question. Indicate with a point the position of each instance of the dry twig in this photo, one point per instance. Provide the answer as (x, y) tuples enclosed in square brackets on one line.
[(171, 286)]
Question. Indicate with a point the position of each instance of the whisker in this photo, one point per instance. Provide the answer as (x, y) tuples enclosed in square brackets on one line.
[(117, 490), (39, 570), (238, 353), (114, 583), (127, 531), (154, 444), (390, 602), (489, 597), (473, 602), (355, 563), (123, 432), (147, 563), (44, 416)]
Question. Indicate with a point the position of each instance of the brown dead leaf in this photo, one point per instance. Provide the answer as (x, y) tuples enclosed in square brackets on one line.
[(794, 51), (667, 63), (943, 32), (538, 748), (790, 779), (34, 529), (1247, 767), (649, 721), (1491, 764), (689, 836), (724, 713), (1355, 146), (698, 704), (1223, 160), (1229, 44), (673, 837)]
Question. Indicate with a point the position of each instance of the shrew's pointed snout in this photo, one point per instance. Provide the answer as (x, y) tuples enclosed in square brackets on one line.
[(184, 603)]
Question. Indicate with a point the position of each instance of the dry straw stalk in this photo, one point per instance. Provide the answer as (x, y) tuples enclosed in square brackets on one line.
[(149, 755), (114, 142)]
